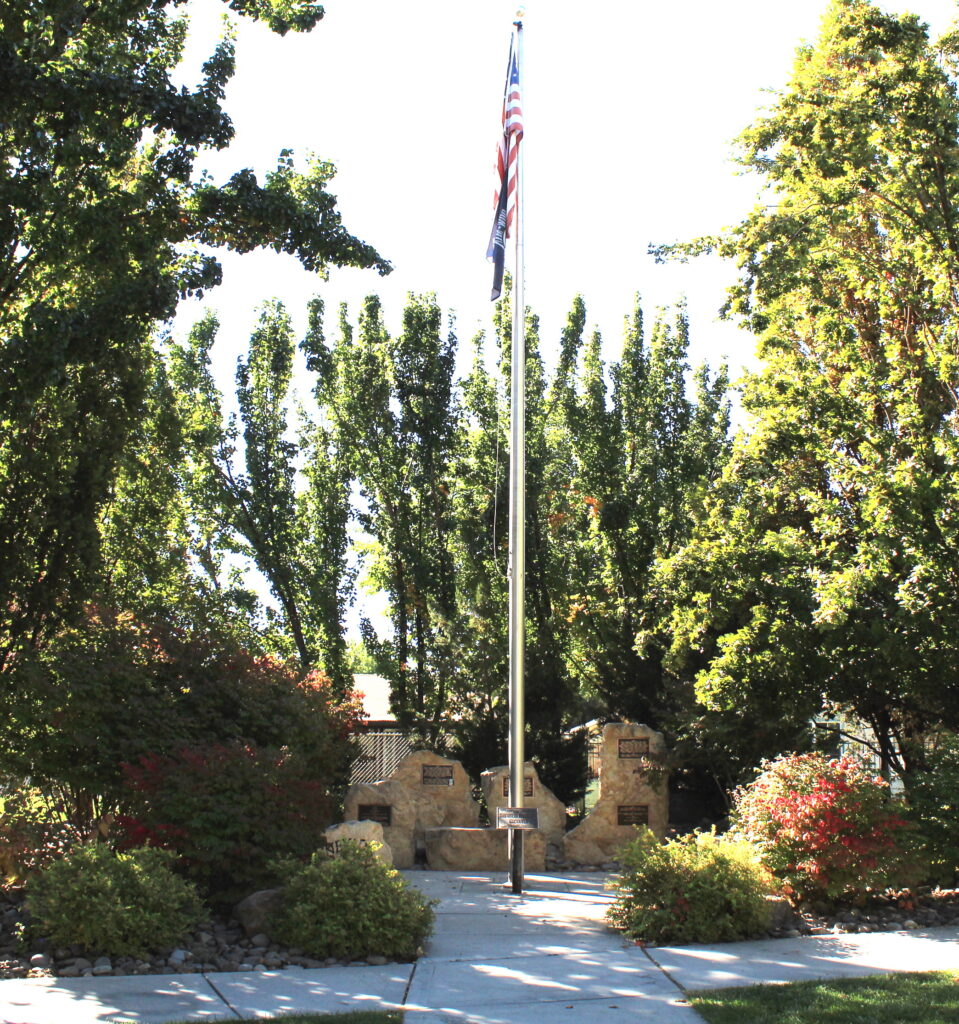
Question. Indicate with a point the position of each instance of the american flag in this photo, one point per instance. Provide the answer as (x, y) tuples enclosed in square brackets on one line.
[(507, 161)]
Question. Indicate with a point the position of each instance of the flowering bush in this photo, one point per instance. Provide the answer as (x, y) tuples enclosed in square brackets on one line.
[(824, 827), (698, 888)]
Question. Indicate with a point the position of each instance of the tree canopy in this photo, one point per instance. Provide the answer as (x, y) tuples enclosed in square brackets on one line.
[(823, 572), (103, 220)]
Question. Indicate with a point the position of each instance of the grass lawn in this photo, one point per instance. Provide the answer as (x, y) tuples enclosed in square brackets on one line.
[(884, 999)]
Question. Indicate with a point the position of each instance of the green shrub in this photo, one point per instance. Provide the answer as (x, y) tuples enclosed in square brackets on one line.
[(932, 805), (122, 904), (825, 827), (33, 832), (352, 906), (698, 888)]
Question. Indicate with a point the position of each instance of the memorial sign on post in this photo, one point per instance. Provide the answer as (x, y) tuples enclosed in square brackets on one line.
[(517, 817)]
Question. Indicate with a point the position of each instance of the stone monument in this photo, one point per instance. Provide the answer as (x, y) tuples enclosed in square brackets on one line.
[(552, 811), (481, 849), (425, 791), (632, 791), (360, 832)]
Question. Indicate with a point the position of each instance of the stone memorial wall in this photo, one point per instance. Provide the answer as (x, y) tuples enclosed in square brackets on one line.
[(425, 809), (632, 791), (425, 791)]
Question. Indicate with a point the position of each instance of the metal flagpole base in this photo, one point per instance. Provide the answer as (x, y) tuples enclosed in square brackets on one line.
[(516, 861)]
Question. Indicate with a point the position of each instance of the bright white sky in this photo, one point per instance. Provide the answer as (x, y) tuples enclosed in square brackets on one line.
[(630, 107)]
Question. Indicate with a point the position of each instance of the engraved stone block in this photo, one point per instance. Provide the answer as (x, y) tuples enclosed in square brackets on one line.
[(360, 832)]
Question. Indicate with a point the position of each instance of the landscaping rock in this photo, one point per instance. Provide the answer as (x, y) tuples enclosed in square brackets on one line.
[(256, 911), (782, 915), (362, 833)]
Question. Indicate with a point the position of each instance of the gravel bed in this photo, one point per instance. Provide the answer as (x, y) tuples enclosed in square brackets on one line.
[(882, 913)]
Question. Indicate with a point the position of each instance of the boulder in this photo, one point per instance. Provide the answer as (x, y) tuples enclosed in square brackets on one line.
[(481, 849), (781, 913), (361, 832), (255, 912), (425, 791)]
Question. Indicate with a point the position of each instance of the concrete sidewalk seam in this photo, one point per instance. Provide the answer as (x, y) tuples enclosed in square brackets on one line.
[(663, 971), (226, 1002), (409, 982)]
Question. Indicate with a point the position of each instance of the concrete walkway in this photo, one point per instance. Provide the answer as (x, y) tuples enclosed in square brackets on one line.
[(494, 959)]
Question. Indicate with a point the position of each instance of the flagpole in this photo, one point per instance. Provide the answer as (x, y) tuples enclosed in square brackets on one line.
[(517, 521)]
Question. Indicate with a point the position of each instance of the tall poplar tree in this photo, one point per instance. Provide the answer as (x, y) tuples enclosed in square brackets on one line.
[(643, 453), (394, 409), (281, 500)]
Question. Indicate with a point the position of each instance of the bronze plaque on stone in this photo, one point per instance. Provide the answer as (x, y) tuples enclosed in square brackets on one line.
[(527, 786), (382, 813), (633, 748), (632, 814), (437, 775)]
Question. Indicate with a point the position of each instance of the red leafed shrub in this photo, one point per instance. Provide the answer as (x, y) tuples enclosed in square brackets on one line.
[(112, 689), (226, 811), (825, 827)]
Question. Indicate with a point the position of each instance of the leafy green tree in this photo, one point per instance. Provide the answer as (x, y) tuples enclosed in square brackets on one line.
[(101, 216), (824, 570), (280, 501)]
